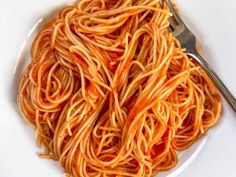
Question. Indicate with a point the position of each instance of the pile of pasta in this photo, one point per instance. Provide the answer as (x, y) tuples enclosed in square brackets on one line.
[(110, 92)]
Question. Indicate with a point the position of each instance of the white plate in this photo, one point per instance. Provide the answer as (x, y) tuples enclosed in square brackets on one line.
[(212, 23)]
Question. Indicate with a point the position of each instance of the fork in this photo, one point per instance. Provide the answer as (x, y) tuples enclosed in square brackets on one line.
[(188, 41)]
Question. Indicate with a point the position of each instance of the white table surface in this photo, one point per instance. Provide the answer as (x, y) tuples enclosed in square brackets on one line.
[(213, 22)]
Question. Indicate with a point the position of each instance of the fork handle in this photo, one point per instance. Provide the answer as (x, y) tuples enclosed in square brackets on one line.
[(217, 81)]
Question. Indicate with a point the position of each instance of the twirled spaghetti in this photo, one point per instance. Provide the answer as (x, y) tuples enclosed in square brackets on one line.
[(111, 93)]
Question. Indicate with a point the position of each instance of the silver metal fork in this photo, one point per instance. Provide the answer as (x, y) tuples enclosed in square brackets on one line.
[(188, 41)]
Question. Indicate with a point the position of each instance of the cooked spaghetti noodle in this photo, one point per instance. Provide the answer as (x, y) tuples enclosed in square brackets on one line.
[(111, 93)]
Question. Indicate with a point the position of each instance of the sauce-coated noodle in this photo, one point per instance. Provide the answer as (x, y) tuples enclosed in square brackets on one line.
[(111, 93)]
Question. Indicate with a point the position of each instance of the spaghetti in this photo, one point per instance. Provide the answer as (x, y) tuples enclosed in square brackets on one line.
[(111, 93)]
